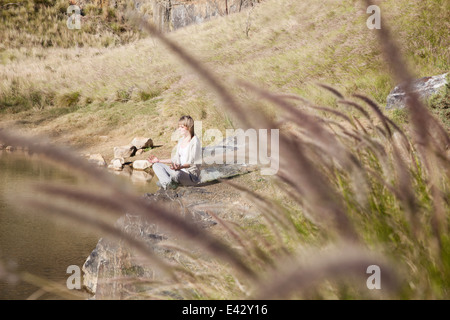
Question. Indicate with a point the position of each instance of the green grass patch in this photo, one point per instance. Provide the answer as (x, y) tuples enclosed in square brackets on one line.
[(69, 99), (440, 104)]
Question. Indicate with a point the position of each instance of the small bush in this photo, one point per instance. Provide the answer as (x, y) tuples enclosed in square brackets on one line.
[(123, 95), (147, 95), (37, 100), (88, 100), (440, 105), (69, 99), (14, 103), (110, 14), (399, 116)]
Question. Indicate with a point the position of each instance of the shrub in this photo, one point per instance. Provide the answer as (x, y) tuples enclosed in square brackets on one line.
[(69, 99), (123, 95), (440, 104), (147, 95), (399, 116)]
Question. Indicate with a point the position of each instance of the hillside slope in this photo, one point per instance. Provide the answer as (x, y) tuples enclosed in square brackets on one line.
[(286, 46)]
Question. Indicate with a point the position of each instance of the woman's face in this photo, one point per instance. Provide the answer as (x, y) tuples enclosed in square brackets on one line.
[(184, 131)]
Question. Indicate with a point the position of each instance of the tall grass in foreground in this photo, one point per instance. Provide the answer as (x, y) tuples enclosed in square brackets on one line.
[(371, 192)]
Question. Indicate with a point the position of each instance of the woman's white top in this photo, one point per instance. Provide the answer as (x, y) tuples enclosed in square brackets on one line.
[(183, 154), (191, 154)]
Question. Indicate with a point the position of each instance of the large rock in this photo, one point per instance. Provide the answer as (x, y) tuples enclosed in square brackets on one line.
[(94, 263), (117, 163), (224, 171), (141, 164), (112, 260), (142, 142), (425, 87), (111, 270), (170, 15), (124, 151)]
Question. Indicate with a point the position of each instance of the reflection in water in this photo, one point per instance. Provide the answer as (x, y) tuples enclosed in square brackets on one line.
[(36, 243)]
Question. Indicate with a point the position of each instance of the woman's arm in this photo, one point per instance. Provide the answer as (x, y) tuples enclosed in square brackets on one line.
[(181, 166), (154, 159), (168, 161), (173, 166)]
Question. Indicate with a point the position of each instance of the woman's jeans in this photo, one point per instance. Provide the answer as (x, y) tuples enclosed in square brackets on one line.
[(167, 175)]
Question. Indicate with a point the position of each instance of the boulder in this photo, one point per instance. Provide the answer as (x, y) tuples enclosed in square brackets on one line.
[(93, 264), (425, 87), (142, 142), (124, 151), (113, 260), (141, 164), (117, 163)]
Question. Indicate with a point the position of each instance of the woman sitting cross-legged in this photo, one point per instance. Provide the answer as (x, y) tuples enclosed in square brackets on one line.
[(184, 166)]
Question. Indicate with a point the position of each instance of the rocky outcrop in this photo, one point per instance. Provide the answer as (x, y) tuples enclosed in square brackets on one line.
[(214, 172), (174, 14), (112, 264), (112, 260), (169, 15), (136, 147), (425, 87)]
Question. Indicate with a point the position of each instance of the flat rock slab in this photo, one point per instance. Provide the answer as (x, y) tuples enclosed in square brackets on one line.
[(215, 172)]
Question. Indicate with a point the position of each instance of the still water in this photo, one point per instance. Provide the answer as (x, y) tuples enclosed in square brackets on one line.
[(36, 243)]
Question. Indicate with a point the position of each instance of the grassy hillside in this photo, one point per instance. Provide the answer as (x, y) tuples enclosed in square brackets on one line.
[(138, 88)]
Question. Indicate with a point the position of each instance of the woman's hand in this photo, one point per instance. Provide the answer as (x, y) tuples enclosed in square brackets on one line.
[(175, 166), (153, 159)]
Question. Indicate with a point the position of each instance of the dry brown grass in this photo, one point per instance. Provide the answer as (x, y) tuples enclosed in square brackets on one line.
[(295, 48)]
